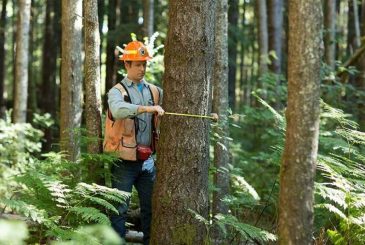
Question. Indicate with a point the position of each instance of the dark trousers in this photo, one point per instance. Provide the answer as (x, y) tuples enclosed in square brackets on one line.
[(125, 175)]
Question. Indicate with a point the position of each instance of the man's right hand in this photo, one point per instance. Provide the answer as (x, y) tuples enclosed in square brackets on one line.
[(151, 109)]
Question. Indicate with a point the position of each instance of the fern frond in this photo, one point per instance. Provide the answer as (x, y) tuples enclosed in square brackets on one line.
[(102, 203), (28, 210), (89, 214), (332, 209)]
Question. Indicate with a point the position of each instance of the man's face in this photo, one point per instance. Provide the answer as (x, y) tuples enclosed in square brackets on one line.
[(136, 70)]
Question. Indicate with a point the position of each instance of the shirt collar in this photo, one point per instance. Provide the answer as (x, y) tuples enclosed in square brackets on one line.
[(129, 82)]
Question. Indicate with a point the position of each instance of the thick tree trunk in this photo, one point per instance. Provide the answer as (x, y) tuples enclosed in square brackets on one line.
[(301, 141), (275, 27), (71, 78), (220, 106), (21, 60), (92, 77), (2, 57), (262, 35), (148, 17), (232, 51), (330, 33), (183, 159)]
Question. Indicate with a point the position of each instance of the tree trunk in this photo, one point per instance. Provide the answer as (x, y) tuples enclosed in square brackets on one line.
[(262, 35), (353, 34), (232, 51), (32, 71), (110, 77), (2, 57), (71, 78), (301, 141), (49, 65), (148, 17), (183, 160), (275, 27), (330, 33), (92, 77), (21, 60), (220, 106)]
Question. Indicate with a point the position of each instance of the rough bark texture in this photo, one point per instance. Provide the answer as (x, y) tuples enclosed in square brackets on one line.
[(2, 56), (262, 35), (301, 144), (71, 78), (275, 27), (232, 51), (330, 33), (183, 159), (21, 61), (92, 77), (148, 17), (220, 106)]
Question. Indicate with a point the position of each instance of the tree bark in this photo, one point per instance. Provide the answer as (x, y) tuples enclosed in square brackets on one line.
[(183, 159), (2, 57), (330, 33), (220, 106), (148, 17), (232, 51), (301, 141), (71, 78), (21, 60), (92, 77)]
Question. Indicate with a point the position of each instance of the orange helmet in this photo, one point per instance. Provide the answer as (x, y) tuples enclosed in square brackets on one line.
[(135, 51)]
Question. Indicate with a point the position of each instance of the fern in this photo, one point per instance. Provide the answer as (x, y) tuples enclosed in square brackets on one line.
[(90, 214)]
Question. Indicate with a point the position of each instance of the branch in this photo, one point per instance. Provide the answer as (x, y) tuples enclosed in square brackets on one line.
[(353, 59)]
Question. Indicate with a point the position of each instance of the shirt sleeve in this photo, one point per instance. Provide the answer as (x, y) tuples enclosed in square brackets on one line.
[(118, 107)]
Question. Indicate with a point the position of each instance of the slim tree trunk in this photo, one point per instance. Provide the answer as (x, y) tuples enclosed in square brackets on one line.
[(330, 33), (2, 56), (71, 78), (232, 51), (148, 17), (92, 77), (275, 27), (262, 35), (220, 106), (301, 140), (110, 77), (183, 159), (21, 60)]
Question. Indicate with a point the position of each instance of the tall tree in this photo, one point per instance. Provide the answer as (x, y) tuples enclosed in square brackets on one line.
[(183, 160), (148, 17), (330, 32), (92, 76), (232, 51), (71, 78), (275, 28), (2, 56), (262, 35), (301, 139), (49, 88), (21, 60), (220, 106), (110, 76)]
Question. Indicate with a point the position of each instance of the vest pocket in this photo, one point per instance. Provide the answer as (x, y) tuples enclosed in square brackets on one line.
[(128, 127)]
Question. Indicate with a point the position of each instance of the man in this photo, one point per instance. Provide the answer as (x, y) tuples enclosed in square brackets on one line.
[(130, 132)]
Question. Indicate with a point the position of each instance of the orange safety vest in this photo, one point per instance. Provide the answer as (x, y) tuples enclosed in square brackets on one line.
[(120, 135)]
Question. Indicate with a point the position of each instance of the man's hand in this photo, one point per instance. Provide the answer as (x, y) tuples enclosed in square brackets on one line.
[(151, 109)]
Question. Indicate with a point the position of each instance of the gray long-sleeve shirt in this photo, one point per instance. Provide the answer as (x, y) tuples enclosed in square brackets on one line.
[(121, 109)]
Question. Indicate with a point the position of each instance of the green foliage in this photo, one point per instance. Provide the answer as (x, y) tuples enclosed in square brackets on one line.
[(47, 192), (13, 232)]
